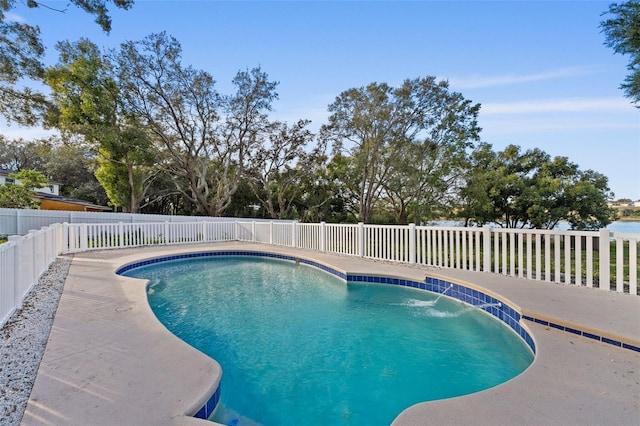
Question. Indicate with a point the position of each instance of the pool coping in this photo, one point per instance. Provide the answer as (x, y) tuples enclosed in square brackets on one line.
[(196, 379)]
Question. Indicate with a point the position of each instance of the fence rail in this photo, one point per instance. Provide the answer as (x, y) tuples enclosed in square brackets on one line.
[(600, 259), (20, 221)]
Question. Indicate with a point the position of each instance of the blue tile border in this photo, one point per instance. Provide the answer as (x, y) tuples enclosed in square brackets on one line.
[(134, 265), (583, 333), (209, 407)]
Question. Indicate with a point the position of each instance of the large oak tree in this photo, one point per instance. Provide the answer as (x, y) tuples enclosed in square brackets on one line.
[(208, 139), (404, 143)]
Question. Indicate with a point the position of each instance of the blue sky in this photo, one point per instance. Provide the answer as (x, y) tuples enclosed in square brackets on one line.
[(539, 69)]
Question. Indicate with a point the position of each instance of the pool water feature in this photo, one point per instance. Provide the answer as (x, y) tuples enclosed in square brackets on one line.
[(300, 346)]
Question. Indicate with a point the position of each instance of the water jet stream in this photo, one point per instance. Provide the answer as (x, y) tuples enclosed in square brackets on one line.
[(442, 294)]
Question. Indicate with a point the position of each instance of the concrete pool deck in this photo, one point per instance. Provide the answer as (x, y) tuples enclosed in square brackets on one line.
[(108, 361)]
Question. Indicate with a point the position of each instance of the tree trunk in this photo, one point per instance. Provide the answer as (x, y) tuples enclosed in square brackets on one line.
[(134, 201)]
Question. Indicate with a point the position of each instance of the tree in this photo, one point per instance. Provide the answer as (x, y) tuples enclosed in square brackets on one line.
[(72, 164), (622, 33), (21, 52), (322, 194), (247, 130), (517, 189), (89, 102), (18, 154), (208, 138), (395, 134), (475, 203), (279, 166), (588, 195), (20, 194)]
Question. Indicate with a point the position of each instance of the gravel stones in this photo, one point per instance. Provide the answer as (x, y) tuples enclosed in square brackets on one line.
[(23, 339)]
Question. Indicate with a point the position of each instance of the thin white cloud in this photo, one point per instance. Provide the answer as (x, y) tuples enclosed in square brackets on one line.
[(558, 105), (478, 81), (12, 17), (519, 127)]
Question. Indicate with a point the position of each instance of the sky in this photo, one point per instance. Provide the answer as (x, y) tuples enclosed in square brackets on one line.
[(539, 69)]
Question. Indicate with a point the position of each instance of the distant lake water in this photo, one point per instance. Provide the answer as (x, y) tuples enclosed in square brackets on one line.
[(628, 227)]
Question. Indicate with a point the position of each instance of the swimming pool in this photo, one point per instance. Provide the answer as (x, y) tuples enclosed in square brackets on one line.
[(300, 346)]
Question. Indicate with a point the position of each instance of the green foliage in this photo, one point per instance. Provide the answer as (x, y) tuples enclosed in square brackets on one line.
[(84, 92), (18, 154), (30, 179), (322, 198), (69, 163), (89, 102), (113, 178), (208, 140), (622, 32), (630, 213), (21, 52), (72, 165), (405, 143), (529, 189), (280, 165), (20, 195)]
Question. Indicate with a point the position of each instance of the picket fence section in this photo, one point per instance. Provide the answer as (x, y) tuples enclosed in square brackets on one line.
[(23, 260), (567, 257), (599, 259)]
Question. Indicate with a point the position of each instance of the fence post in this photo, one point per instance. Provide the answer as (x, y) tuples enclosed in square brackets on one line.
[(120, 234), (253, 231), (47, 242), (412, 243), (83, 237), (360, 239), (68, 238), (17, 255), (60, 248), (633, 266), (323, 236), (605, 260), (294, 237), (271, 232), (166, 233), (486, 248), (34, 256), (18, 222), (204, 231)]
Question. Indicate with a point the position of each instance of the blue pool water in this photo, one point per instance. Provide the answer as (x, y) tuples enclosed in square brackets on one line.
[(300, 346)]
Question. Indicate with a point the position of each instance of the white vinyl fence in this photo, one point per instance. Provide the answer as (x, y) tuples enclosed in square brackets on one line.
[(599, 259), (20, 221), (23, 259)]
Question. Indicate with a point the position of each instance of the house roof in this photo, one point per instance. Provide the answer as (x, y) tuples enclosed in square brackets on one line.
[(52, 197)]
